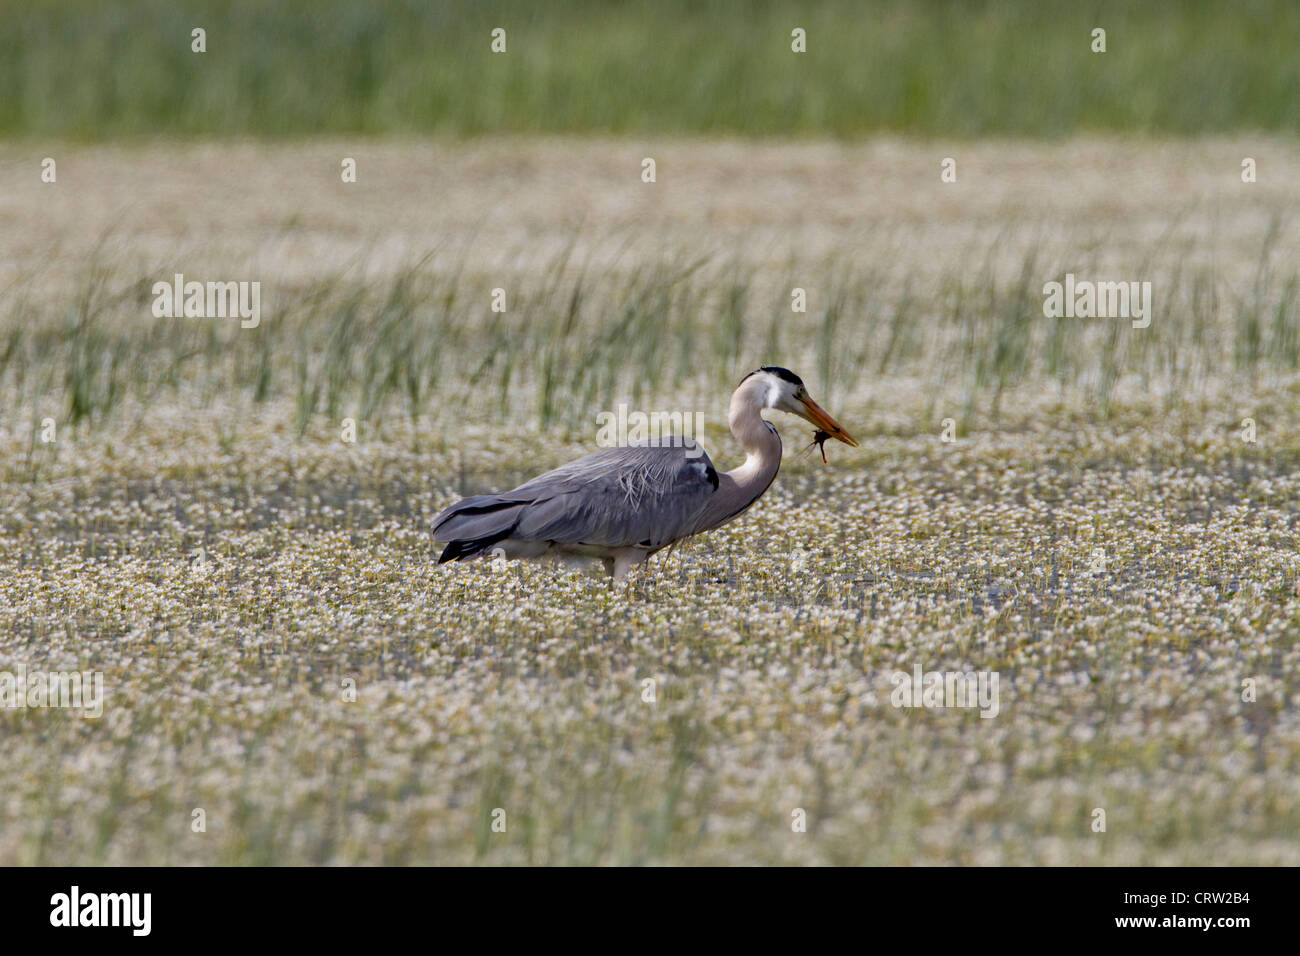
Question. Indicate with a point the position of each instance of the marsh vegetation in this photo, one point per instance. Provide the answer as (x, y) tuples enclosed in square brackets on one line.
[(771, 641)]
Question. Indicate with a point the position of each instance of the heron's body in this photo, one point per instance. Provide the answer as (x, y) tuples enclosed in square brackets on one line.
[(623, 504)]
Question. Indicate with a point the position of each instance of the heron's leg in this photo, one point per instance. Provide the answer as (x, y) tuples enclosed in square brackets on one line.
[(625, 560), (609, 566)]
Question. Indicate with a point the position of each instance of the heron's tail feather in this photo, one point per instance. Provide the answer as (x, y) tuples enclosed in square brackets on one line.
[(461, 549), (475, 525)]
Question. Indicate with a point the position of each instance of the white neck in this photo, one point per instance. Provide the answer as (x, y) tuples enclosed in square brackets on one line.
[(741, 487)]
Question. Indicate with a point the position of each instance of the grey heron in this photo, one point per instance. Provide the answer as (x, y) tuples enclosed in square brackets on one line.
[(623, 504)]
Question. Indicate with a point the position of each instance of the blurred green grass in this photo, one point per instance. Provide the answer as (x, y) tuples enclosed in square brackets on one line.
[(576, 340), (80, 68)]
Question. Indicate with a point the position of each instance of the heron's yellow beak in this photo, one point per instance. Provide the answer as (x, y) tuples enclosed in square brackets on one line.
[(819, 417)]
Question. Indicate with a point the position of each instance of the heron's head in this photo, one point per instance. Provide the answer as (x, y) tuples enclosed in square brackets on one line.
[(785, 391)]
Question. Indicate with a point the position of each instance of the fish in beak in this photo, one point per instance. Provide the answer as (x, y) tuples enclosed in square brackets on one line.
[(826, 426)]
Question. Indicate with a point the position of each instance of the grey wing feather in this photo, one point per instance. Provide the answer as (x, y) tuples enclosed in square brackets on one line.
[(635, 495)]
